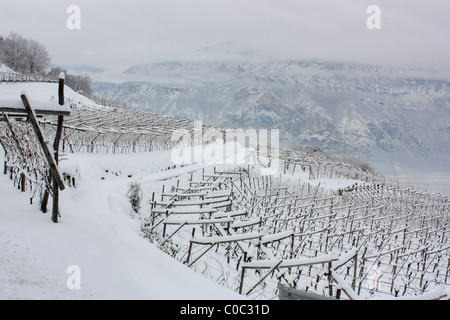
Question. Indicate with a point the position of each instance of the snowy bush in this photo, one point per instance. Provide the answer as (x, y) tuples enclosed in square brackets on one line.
[(135, 195), (170, 247)]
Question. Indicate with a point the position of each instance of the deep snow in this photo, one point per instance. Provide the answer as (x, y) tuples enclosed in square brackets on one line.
[(96, 233)]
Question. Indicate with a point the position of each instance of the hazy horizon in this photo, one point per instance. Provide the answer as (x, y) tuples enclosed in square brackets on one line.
[(114, 36)]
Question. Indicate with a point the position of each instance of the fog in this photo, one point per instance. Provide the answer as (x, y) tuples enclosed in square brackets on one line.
[(115, 35)]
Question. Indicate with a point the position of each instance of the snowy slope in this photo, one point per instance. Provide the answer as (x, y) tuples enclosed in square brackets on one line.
[(42, 91), (95, 233), (98, 231)]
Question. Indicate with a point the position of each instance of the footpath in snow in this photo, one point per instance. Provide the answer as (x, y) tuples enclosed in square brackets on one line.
[(97, 235)]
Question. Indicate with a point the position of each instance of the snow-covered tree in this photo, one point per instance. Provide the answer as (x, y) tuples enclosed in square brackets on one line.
[(79, 83), (38, 58), (24, 55)]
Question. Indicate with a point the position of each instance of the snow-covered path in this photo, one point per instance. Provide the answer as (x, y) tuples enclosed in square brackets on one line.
[(95, 233)]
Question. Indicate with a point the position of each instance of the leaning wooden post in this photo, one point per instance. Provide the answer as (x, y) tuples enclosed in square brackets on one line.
[(55, 207), (40, 137), (190, 247)]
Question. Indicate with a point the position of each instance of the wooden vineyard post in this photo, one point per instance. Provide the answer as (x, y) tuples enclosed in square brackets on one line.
[(241, 282), (355, 265), (362, 270), (338, 293), (55, 207), (446, 272), (330, 279), (61, 88), (22, 182), (291, 254), (5, 164), (44, 201), (190, 247), (49, 157)]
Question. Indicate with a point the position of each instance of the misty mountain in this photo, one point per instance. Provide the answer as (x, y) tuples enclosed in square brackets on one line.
[(396, 119)]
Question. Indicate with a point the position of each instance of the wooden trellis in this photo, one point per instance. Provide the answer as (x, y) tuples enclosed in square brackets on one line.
[(115, 130), (29, 158), (401, 231)]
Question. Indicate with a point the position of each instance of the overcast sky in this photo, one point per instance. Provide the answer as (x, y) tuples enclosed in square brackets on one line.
[(117, 34)]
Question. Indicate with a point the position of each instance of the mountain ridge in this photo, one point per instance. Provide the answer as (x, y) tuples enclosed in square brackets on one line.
[(397, 119)]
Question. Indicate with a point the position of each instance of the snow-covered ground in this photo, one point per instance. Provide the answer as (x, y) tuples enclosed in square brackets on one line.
[(42, 91), (97, 234)]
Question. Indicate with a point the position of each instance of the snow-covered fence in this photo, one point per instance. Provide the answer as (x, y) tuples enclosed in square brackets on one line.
[(273, 265), (390, 241), (8, 75), (115, 130), (396, 238), (288, 293), (319, 166), (24, 160)]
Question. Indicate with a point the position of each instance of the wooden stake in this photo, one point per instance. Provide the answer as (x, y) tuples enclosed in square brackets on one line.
[(55, 208), (355, 266), (44, 201), (58, 184), (330, 280), (61, 88), (51, 161), (22, 182), (241, 282)]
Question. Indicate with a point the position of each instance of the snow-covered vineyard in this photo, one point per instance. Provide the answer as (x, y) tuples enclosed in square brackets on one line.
[(317, 225), (252, 233)]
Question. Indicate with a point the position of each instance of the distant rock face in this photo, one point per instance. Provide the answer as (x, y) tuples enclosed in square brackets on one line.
[(391, 118)]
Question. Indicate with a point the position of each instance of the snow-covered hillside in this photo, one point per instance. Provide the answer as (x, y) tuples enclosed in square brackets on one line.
[(309, 214), (42, 91), (96, 233), (96, 230)]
